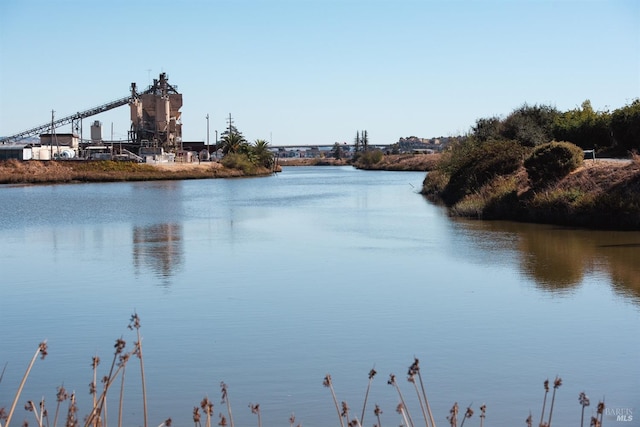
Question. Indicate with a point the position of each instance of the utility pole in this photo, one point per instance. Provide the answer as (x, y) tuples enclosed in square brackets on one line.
[(52, 136), (230, 124), (207, 131)]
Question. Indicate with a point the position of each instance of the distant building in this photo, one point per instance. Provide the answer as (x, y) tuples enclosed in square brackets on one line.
[(67, 139), (17, 152)]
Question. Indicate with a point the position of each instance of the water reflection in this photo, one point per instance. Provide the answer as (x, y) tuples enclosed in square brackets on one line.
[(158, 247), (557, 259)]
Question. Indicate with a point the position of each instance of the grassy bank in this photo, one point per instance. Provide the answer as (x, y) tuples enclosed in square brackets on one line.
[(298, 161), (398, 162), (376, 160), (41, 172), (495, 182)]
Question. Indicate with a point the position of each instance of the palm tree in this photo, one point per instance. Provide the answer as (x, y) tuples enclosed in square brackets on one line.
[(232, 143), (261, 153)]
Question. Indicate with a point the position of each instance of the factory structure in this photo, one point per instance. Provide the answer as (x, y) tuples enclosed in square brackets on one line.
[(155, 133)]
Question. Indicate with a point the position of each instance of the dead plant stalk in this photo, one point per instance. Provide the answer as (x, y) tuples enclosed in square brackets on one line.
[(42, 351)]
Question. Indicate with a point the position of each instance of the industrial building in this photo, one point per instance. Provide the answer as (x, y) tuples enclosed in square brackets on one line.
[(156, 130)]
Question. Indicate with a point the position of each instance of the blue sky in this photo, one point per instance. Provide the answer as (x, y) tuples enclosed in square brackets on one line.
[(316, 71)]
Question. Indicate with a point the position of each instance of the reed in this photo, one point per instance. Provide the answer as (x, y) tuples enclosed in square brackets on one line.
[(345, 413), (123, 363), (31, 407), (556, 385), (223, 420), (329, 384), (467, 414), (377, 412), (453, 415), (392, 382), (372, 373), (72, 411), (411, 378), (196, 417), (599, 414), (584, 402), (402, 410), (61, 396), (255, 409), (225, 399), (134, 323), (414, 370), (207, 408), (544, 401), (97, 417), (95, 361), (42, 352)]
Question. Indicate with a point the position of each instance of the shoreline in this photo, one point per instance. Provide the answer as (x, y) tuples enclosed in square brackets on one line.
[(35, 172)]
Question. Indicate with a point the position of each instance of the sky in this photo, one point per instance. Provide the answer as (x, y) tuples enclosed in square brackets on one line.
[(315, 72)]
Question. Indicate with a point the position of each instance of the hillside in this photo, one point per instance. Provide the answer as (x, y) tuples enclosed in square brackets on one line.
[(602, 194)]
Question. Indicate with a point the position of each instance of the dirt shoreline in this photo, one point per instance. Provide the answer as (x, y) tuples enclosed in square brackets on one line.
[(53, 172)]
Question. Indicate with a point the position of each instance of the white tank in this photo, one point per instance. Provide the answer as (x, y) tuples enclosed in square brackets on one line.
[(96, 131), (67, 154)]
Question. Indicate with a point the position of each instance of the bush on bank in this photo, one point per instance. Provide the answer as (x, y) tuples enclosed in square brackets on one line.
[(504, 179), (552, 161), (471, 164)]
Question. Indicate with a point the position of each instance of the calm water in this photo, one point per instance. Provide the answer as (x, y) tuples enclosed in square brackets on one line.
[(268, 284)]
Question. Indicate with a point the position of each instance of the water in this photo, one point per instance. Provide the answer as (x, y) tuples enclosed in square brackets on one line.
[(269, 284)]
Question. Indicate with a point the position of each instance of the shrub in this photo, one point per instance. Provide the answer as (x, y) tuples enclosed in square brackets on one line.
[(530, 125), (470, 165), (369, 158), (584, 127), (625, 126), (238, 161), (552, 161), (434, 183)]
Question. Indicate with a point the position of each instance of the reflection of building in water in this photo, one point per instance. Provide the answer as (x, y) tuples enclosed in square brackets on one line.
[(158, 247)]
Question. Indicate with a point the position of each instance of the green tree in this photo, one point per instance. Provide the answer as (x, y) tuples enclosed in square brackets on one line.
[(357, 143), (261, 153), (337, 152), (625, 126), (530, 125), (584, 127), (487, 128), (233, 143)]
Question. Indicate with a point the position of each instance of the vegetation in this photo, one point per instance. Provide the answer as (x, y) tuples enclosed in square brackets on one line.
[(67, 171), (549, 162), (366, 159), (402, 162), (97, 415), (514, 169), (614, 133), (239, 154), (240, 159)]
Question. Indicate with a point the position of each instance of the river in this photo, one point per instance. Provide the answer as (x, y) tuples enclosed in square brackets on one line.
[(269, 284)]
